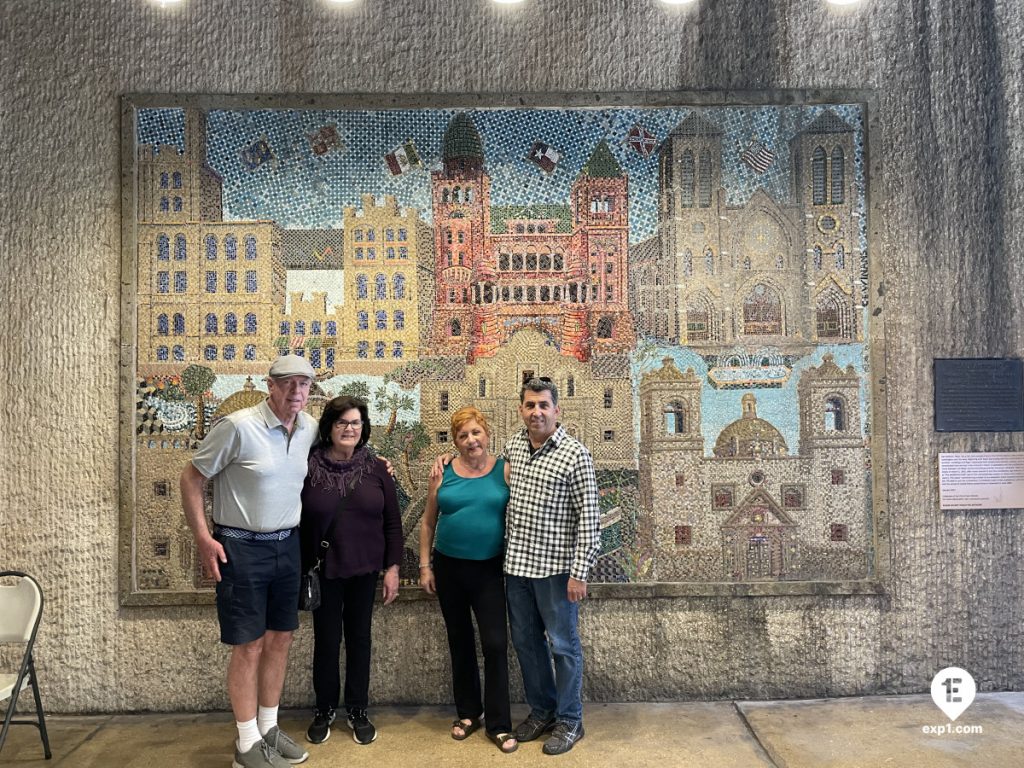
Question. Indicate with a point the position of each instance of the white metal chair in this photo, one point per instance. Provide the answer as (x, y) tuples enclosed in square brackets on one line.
[(21, 607)]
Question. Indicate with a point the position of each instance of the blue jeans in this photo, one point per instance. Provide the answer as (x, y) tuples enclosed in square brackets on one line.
[(553, 666)]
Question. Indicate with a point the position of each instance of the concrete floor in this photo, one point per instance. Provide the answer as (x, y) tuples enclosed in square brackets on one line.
[(869, 732)]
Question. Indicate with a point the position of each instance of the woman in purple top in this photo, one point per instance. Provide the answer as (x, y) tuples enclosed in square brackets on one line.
[(348, 485)]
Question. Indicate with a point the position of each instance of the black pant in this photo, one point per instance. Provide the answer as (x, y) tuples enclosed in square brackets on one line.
[(479, 585), (345, 604)]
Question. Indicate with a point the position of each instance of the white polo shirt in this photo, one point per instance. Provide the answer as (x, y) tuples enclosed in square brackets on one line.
[(257, 468)]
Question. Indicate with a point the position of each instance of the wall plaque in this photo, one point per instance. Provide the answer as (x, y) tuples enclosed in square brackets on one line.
[(979, 395), (981, 480)]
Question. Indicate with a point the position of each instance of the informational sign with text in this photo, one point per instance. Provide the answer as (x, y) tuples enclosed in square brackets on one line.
[(981, 480)]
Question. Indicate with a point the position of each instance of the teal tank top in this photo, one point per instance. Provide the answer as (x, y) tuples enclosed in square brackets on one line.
[(471, 514)]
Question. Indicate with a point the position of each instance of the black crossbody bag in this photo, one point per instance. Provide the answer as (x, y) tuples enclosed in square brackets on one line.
[(309, 587)]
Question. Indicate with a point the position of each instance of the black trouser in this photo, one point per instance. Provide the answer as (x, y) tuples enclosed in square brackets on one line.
[(345, 604), (477, 585)]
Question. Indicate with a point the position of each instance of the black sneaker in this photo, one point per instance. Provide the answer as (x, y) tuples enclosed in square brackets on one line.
[(533, 727), (563, 738), (319, 730), (363, 731)]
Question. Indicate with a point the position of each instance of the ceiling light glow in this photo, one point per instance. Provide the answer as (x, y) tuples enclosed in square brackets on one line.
[(842, 2), (678, 2)]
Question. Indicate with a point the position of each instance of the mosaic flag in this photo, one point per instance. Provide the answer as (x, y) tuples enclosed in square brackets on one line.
[(757, 156), (545, 156), (640, 139), (402, 158), (324, 140), (257, 153)]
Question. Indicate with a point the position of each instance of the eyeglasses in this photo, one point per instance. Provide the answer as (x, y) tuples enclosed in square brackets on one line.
[(343, 423)]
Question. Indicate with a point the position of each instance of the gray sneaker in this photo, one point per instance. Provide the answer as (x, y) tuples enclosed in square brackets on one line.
[(260, 755), (563, 738), (285, 746)]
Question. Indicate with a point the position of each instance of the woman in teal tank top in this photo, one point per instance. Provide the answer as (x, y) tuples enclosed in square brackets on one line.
[(462, 539)]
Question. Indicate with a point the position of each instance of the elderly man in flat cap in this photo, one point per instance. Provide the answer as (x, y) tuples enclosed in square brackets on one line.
[(256, 459)]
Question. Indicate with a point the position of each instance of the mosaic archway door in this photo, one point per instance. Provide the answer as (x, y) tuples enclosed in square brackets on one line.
[(758, 541)]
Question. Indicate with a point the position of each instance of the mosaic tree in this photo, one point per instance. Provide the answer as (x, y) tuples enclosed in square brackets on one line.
[(196, 380)]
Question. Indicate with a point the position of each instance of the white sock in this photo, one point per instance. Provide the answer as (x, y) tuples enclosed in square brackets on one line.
[(267, 718), (248, 734)]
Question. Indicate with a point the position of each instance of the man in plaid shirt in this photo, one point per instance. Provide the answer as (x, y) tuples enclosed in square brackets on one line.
[(552, 540)]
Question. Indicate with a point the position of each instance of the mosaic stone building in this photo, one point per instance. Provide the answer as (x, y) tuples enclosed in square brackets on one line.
[(781, 273), (562, 269), (596, 398), (755, 509)]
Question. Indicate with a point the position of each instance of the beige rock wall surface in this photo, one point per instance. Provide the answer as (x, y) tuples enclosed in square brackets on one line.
[(949, 80)]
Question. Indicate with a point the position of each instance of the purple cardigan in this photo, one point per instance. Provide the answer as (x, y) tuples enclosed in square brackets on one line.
[(368, 534)]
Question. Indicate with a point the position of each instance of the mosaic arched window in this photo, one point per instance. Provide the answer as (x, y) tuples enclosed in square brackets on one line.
[(165, 205), (229, 351), (379, 348), (179, 353), (211, 323), (709, 261), (230, 323), (180, 248), (687, 262), (332, 328), (399, 319), (211, 281), (840, 257), (230, 247), (674, 415), (604, 328), (178, 205), (231, 281), (698, 319), (250, 281), (398, 283), (250, 247), (762, 311), (177, 179), (314, 357), (817, 257), (456, 328), (829, 317), (818, 176), (397, 350), (380, 286), (704, 180), (163, 180), (444, 195), (179, 324), (211, 247), (161, 353), (361, 287), (381, 320), (687, 176), (210, 352), (163, 327), (835, 415), (300, 327), (250, 351), (838, 176), (163, 248), (250, 323), (329, 358), (362, 320)]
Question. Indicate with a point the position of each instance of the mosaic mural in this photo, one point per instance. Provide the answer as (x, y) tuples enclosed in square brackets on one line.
[(694, 278)]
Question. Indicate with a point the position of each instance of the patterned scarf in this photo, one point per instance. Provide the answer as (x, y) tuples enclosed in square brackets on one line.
[(339, 475)]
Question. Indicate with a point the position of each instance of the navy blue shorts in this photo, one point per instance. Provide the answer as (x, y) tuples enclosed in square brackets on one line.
[(258, 589)]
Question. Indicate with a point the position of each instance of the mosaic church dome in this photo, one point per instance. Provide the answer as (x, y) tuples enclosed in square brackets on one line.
[(750, 436)]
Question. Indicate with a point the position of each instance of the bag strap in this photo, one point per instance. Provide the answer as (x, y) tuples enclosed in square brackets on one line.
[(324, 543)]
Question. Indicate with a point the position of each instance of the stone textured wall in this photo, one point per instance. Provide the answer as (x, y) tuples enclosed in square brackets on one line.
[(949, 79)]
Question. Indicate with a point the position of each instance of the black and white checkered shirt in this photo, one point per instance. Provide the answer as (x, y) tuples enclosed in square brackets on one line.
[(553, 523)]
